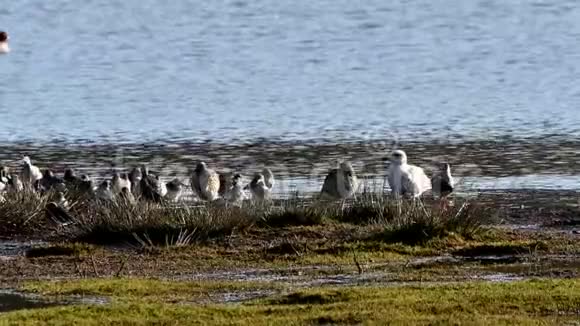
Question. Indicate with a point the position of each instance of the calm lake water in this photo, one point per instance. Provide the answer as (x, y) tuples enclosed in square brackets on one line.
[(119, 71)]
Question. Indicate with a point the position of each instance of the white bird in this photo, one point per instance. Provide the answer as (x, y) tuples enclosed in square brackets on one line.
[(30, 173), (442, 182), (174, 189), (205, 182), (104, 191), (236, 194), (340, 183), (120, 181), (405, 179), (4, 48), (260, 191)]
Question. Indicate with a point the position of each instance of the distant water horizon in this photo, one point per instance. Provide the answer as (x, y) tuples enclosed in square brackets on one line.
[(236, 71)]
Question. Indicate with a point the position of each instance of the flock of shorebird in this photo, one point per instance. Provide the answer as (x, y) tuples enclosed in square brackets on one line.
[(140, 184)]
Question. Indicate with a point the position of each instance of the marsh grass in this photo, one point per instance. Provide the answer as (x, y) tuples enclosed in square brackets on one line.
[(151, 225), (139, 301), (22, 213)]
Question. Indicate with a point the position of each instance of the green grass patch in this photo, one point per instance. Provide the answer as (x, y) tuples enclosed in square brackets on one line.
[(149, 290), (539, 302), (63, 249)]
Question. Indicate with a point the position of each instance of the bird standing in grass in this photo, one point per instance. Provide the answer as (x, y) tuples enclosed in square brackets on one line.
[(120, 181), (259, 187), (205, 182), (15, 184), (30, 173), (236, 194), (150, 187), (104, 191), (442, 184), (58, 214), (174, 190), (405, 179), (127, 196), (135, 179), (340, 183), (49, 181)]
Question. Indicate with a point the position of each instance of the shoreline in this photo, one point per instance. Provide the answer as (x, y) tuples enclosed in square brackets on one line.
[(490, 158)]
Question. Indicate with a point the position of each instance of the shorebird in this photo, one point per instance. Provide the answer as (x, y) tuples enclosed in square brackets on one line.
[(4, 48), (174, 190), (225, 183), (15, 184), (405, 179), (205, 182), (442, 182), (235, 194), (49, 181), (127, 196), (120, 181), (135, 179), (30, 173), (70, 178), (86, 185), (150, 187), (104, 191), (58, 214), (340, 183), (61, 200), (259, 188)]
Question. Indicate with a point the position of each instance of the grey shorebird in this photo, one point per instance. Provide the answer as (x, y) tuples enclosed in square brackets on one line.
[(151, 188), (340, 183), (261, 185), (174, 190)]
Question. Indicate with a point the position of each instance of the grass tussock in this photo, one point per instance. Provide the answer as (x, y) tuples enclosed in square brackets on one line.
[(22, 213), (153, 225)]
